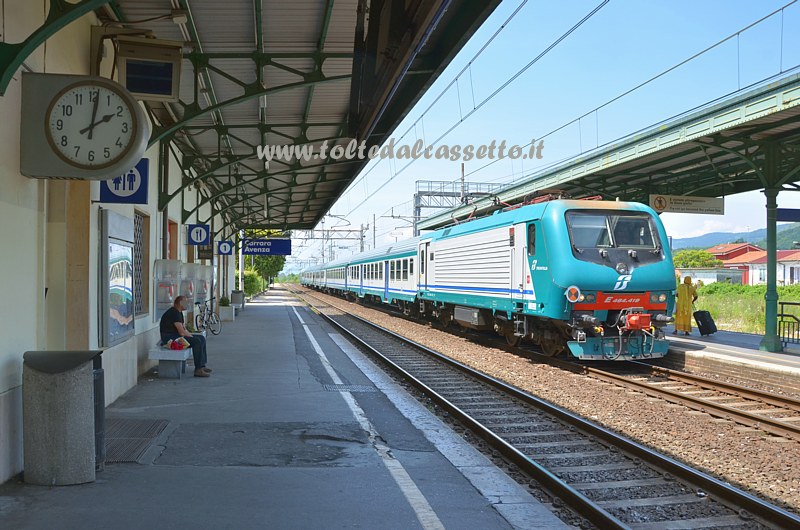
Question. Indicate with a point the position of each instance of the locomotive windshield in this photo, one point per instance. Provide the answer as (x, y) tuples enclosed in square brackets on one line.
[(628, 230)]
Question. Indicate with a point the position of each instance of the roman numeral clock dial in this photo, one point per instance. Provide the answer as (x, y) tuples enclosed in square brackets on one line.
[(91, 124)]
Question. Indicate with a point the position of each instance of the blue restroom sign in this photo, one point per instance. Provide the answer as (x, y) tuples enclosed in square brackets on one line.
[(224, 248), (199, 234), (128, 188)]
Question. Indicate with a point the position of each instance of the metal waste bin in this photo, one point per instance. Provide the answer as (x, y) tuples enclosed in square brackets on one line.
[(63, 416), (237, 299)]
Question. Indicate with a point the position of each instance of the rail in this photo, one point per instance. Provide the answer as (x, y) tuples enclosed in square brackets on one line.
[(788, 324)]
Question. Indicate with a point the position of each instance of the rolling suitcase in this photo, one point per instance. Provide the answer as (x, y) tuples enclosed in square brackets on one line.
[(704, 322)]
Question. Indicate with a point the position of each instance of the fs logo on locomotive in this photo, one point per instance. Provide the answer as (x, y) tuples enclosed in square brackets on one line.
[(622, 282)]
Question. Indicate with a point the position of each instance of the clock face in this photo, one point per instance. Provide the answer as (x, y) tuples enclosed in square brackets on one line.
[(91, 125)]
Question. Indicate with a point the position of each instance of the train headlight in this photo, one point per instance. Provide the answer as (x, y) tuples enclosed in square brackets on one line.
[(590, 297), (653, 298), (662, 297), (573, 293)]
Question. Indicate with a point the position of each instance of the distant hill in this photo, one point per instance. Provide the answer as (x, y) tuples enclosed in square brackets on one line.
[(787, 233), (785, 238)]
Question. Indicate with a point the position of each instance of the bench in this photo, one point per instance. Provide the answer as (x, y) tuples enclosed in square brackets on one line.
[(171, 363)]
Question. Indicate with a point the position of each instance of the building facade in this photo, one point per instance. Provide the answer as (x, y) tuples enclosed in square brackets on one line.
[(50, 238)]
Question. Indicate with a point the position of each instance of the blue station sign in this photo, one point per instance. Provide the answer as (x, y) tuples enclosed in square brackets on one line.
[(199, 234), (128, 188), (224, 248), (267, 247)]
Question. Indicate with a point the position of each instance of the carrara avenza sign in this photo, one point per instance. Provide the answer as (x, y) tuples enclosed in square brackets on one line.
[(267, 247)]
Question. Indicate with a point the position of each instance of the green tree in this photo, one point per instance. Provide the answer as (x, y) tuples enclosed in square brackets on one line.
[(253, 282), (691, 259), (269, 266)]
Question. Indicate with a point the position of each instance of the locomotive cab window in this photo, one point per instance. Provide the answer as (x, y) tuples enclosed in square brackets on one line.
[(606, 230), (633, 232), (611, 236)]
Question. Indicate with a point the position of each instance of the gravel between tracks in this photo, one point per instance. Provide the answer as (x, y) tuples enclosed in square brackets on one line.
[(750, 459)]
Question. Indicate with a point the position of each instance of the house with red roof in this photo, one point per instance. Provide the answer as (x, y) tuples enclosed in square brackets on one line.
[(754, 267), (727, 251)]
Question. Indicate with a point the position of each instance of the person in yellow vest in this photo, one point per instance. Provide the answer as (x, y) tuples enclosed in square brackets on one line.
[(687, 295)]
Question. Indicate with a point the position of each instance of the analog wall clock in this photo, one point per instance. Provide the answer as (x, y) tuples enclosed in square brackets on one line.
[(80, 127), (91, 124)]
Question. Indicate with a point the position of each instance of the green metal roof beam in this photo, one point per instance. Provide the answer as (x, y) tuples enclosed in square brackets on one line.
[(223, 191), (193, 112), (249, 197), (224, 128), (59, 16), (196, 40), (326, 20), (220, 163), (259, 10), (743, 157), (268, 58)]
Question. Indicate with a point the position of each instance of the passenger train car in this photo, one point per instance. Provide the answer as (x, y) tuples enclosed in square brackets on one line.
[(592, 277)]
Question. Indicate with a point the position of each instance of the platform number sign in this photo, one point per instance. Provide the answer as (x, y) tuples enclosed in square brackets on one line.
[(199, 234), (224, 248)]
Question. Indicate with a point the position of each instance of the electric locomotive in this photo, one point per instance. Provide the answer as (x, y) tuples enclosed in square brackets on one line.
[(594, 278)]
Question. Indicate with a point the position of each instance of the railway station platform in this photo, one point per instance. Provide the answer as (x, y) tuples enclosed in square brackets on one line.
[(733, 349), (294, 429)]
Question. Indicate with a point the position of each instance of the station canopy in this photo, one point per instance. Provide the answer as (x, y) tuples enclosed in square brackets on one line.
[(289, 72)]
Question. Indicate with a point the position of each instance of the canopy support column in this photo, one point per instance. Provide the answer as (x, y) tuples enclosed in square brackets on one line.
[(771, 342)]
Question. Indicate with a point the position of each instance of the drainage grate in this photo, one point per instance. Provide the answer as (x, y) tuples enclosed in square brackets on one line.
[(350, 388), (127, 440)]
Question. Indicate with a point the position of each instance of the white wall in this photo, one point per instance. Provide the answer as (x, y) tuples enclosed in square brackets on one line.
[(23, 225)]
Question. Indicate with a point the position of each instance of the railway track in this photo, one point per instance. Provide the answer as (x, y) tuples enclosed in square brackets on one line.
[(611, 481), (766, 411), (678, 360), (773, 413)]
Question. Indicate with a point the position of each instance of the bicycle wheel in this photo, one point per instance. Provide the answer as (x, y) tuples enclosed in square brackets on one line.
[(214, 323), (199, 322)]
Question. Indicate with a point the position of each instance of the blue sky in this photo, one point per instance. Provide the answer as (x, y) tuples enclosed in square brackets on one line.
[(625, 43)]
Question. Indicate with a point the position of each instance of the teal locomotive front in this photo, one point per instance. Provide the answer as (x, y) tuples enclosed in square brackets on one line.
[(605, 274)]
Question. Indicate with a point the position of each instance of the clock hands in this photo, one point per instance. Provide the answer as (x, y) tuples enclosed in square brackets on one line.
[(91, 127), (94, 113)]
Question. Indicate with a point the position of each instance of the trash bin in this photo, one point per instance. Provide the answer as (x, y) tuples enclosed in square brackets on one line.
[(237, 299), (99, 413), (60, 410)]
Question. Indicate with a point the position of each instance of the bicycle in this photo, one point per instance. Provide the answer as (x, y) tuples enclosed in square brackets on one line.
[(206, 318)]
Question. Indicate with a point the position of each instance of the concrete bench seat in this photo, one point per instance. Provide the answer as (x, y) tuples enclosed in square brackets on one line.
[(171, 363)]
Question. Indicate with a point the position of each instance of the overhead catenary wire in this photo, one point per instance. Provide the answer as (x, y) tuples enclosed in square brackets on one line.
[(490, 96), (420, 121), (641, 85)]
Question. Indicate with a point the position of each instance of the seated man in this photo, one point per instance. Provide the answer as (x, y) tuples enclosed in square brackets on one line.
[(172, 328)]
